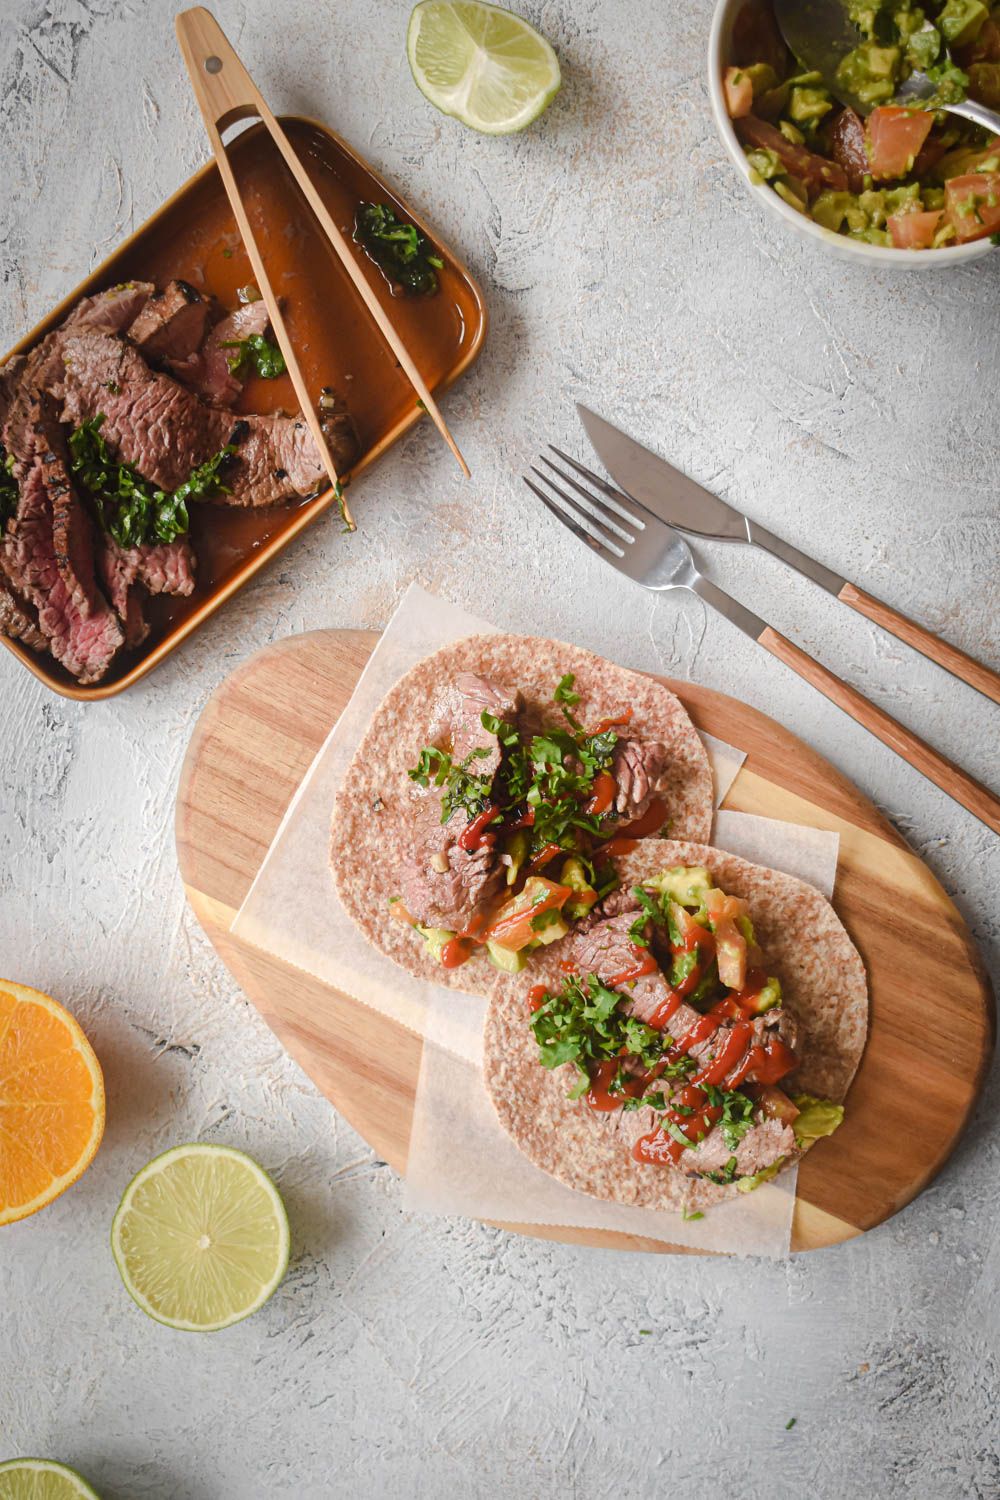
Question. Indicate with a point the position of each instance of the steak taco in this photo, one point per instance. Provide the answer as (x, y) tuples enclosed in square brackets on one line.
[(691, 1039), (478, 818)]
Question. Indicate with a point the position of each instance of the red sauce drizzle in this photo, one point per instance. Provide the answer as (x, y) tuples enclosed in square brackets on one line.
[(474, 834), (651, 822)]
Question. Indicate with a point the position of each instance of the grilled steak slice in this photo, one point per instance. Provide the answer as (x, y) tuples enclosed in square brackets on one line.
[(113, 311), (18, 619), (118, 574), (764, 1144), (637, 767), (164, 431), (206, 371), (616, 903), (442, 884), (85, 643), (466, 702), (172, 323)]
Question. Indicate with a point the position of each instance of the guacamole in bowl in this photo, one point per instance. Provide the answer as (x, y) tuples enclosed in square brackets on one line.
[(898, 177)]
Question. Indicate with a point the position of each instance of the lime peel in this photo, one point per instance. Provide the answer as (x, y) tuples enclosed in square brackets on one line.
[(481, 64), (42, 1479), (201, 1237)]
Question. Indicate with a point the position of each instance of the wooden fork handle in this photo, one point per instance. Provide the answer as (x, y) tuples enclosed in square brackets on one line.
[(950, 778), (949, 657)]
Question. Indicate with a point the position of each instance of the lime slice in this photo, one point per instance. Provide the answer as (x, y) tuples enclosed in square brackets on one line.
[(201, 1237), (484, 65), (42, 1479)]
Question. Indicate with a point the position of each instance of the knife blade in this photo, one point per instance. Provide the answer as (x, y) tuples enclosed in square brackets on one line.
[(684, 503)]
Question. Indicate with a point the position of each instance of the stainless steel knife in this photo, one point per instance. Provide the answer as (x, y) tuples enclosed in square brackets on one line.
[(683, 503)]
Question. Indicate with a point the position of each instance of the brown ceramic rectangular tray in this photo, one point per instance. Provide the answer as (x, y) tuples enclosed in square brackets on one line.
[(194, 237)]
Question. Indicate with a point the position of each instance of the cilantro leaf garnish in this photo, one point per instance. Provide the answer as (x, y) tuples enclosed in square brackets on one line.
[(8, 489)]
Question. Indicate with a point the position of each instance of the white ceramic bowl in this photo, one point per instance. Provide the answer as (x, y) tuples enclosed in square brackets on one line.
[(719, 45)]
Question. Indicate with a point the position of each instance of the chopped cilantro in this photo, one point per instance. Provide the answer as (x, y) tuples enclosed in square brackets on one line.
[(790, 1423), (132, 510), (581, 1024), (696, 1215), (8, 489), (564, 691), (255, 353), (645, 1332), (404, 255)]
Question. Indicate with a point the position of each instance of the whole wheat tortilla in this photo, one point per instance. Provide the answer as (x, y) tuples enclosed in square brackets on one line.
[(824, 988), (373, 810)]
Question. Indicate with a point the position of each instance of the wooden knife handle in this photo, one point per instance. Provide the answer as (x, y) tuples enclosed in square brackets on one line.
[(950, 778), (949, 657)]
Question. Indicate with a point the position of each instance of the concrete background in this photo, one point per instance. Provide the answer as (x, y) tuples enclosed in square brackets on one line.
[(854, 413)]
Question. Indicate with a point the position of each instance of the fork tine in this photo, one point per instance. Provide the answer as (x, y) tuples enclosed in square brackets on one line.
[(568, 521), (592, 523), (599, 509), (619, 502)]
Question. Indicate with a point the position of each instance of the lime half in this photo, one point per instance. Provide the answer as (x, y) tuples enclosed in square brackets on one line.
[(484, 65), (42, 1479), (201, 1237)]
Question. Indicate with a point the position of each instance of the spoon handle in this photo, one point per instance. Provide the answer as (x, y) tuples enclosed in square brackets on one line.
[(971, 794), (950, 657), (970, 109)]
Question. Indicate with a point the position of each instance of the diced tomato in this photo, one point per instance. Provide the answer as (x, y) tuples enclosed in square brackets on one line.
[(399, 911), (776, 1103), (972, 204), (814, 172), (895, 138), (915, 231), (511, 927), (737, 85), (730, 944)]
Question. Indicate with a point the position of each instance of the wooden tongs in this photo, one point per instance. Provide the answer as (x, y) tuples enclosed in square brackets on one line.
[(226, 93)]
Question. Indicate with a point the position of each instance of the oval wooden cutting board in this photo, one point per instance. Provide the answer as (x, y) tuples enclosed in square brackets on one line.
[(913, 1093)]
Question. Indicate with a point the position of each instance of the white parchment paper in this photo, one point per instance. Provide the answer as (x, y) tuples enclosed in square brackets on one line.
[(460, 1160)]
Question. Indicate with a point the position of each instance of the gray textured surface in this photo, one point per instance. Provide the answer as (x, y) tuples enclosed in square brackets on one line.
[(853, 412)]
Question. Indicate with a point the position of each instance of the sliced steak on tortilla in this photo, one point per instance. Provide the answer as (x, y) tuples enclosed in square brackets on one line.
[(388, 839), (824, 995)]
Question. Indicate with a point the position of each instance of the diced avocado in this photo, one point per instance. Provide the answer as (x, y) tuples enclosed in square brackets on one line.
[(922, 45), (763, 77), (870, 73), (809, 104), (747, 1184), (548, 927), (517, 846), (767, 998), (503, 958), (435, 938), (816, 1118), (745, 926), (681, 966), (574, 875), (786, 191), (831, 209), (685, 884), (961, 21), (791, 132), (765, 163)]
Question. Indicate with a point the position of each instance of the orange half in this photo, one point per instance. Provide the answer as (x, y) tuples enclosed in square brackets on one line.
[(51, 1101)]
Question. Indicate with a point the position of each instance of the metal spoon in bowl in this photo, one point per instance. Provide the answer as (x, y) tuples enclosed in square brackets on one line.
[(821, 34)]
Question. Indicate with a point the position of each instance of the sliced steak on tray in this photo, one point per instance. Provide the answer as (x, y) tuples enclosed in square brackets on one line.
[(42, 549), (164, 431), (207, 371), (172, 323), (113, 311), (18, 619)]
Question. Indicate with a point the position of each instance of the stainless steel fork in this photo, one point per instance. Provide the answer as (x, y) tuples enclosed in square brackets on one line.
[(627, 536)]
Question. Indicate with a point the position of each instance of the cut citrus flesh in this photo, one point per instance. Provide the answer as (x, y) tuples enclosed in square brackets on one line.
[(201, 1237), (485, 66), (51, 1101), (42, 1479)]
